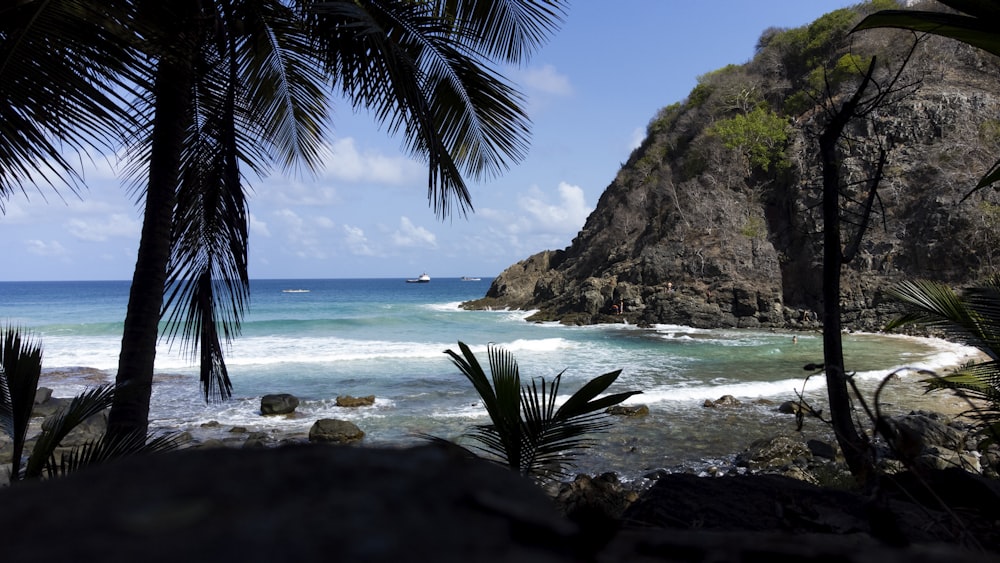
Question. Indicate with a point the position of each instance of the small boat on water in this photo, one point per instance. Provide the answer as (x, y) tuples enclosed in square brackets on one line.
[(295, 291), (467, 278), (424, 278)]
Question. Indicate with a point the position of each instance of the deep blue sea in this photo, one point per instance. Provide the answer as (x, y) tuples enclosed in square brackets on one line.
[(318, 339)]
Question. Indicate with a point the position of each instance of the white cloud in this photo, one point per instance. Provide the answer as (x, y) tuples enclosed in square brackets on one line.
[(542, 221), (293, 223), (356, 241), (257, 227), (43, 248), (346, 162), (99, 230), (565, 216), (304, 234), (345, 166), (409, 235), (546, 80), (323, 222), (279, 191), (14, 213)]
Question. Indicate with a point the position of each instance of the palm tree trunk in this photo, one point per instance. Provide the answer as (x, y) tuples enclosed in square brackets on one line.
[(130, 410)]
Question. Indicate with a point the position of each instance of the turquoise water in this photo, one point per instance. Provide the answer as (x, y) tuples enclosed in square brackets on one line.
[(318, 339)]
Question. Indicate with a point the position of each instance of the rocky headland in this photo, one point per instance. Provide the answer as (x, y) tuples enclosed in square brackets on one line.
[(709, 228)]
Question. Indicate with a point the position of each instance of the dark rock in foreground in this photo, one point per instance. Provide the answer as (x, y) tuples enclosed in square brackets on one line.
[(324, 503), (304, 503)]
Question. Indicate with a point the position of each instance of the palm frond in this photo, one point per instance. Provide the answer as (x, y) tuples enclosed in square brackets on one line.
[(937, 306), (108, 448), (528, 432), (20, 369), (978, 32), (976, 380), (510, 30), (500, 393), (424, 68), (89, 403), (282, 83), (64, 69), (582, 402), (972, 317), (373, 52), (193, 306), (250, 94), (469, 365), (209, 280)]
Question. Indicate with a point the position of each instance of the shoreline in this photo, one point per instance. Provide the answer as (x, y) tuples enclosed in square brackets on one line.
[(676, 434)]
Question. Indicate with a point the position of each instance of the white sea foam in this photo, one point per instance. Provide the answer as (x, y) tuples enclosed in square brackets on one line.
[(674, 329), (275, 350), (743, 390), (450, 307), (538, 345), (469, 410)]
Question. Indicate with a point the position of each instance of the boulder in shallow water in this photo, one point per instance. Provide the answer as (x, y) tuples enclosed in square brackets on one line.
[(723, 401), (349, 401), (335, 431), (628, 410), (280, 403)]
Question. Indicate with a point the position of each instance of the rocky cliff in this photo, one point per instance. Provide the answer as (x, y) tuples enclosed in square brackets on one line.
[(714, 221)]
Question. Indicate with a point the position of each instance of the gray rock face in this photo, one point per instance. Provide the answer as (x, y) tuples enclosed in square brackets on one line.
[(689, 233)]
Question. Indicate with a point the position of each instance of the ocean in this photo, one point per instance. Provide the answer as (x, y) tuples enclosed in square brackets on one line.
[(318, 339)]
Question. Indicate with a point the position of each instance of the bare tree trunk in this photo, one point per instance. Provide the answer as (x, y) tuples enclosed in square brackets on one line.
[(855, 447)]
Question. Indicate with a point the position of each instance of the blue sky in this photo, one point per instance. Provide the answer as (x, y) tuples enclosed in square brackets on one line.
[(591, 92)]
